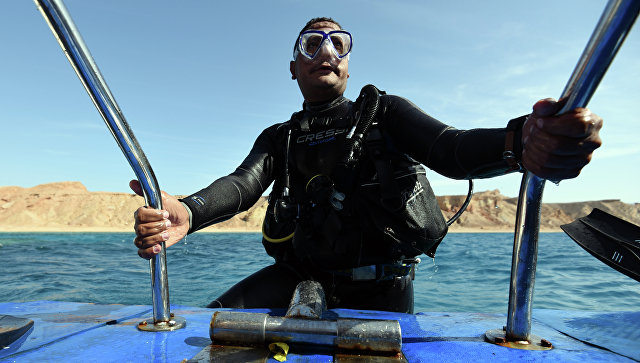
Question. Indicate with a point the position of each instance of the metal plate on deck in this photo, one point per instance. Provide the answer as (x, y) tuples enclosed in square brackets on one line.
[(235, 354), (229, 354)]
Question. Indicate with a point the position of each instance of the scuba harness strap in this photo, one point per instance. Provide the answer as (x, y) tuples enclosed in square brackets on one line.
[(288, 209), (344, 177), (388, 199)]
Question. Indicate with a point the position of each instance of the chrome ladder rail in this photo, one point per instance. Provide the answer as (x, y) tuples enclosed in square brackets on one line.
[(70, 40), (614, 24)]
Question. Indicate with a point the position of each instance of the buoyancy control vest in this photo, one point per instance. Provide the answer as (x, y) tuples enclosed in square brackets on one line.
[(347, 197)]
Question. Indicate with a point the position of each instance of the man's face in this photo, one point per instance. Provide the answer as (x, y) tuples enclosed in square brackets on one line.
[(320, 79)]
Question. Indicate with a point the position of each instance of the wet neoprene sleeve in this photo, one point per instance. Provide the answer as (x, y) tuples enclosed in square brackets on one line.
[(237, 191), (458, 154)]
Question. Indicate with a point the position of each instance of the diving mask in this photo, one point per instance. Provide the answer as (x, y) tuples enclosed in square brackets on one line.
[(311, 42)]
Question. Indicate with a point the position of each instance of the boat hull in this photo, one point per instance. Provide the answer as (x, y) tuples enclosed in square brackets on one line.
[(67, 331)]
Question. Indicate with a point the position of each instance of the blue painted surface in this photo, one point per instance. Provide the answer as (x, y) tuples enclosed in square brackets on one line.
[(65, 331), (616, 331)]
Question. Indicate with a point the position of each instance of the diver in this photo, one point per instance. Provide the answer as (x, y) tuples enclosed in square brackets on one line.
[(350, 206)]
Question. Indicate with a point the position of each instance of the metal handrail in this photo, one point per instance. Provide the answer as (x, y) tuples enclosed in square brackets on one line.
[(69, 38), (614, 24)]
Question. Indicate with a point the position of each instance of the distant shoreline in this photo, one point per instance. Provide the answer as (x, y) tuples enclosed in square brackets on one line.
[(69, 207), (231, 230)]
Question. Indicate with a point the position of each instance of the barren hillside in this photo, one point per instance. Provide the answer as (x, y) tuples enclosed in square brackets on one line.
[(68, 206)]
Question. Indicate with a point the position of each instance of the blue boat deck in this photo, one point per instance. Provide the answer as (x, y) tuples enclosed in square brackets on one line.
[(74, 332)]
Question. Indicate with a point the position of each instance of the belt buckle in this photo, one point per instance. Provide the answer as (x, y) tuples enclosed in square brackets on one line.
[(364, 273)]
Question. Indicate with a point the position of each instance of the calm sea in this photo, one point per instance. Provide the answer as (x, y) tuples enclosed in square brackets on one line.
[(470, 272)]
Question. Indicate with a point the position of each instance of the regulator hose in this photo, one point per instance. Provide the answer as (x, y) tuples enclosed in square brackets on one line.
[(369, 100)]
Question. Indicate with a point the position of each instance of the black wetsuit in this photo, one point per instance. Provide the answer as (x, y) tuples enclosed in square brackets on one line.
[(408, 131)]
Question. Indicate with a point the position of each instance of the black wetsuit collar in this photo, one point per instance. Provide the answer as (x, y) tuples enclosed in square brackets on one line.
[(324, 106)]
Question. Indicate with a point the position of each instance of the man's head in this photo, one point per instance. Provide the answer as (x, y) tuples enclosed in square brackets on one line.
[(321, 63)]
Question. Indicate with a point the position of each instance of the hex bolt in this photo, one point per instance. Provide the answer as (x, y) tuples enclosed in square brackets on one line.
[(500, 340), (545, 343)]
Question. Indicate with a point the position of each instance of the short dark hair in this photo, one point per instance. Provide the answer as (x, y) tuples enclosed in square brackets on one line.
[(310, 23)]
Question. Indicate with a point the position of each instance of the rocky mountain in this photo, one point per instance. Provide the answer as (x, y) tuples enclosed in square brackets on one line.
[(69, 206)]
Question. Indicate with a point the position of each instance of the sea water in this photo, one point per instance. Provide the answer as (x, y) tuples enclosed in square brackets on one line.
[(470, 272)]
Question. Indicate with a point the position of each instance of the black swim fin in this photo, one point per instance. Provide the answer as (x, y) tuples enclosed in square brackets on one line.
[(12, 329), (610, 239)]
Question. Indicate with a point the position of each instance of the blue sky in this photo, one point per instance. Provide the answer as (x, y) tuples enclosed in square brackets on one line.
[(199, 80)]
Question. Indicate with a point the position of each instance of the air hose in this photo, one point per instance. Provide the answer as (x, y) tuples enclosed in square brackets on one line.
[(369, 100)]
